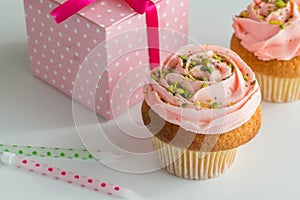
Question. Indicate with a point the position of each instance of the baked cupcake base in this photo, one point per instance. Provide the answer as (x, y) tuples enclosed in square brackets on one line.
[(190, 164), (207, 156), (278, 89)]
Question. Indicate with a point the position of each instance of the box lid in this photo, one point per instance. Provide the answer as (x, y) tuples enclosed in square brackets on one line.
[(106, 13)]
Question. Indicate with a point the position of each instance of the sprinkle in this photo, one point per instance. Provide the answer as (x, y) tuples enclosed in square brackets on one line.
[(190, 77), (197, 103), (205, 61), (175, 89), (205, 78), (208, 100), (207, 106), (159, 74), (216, 57), (244, 14), (231, 103), (280, 4), (187, 95), (253, 82), (183, 58), (147, 92), (204, 85), (154, 77), (180, 91), (261, 17), (166, 72), (193, 63), (231, 67), (275, 22), (246, 77), (282, 26), (210, 70), (170, 88), (184, 105), (215, 105), (203, 68)]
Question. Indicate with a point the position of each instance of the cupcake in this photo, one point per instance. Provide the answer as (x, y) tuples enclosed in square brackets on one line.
[(267, 37), (201, 105)]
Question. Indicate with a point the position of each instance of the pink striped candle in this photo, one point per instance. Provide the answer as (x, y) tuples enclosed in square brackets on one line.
[(69, 177)]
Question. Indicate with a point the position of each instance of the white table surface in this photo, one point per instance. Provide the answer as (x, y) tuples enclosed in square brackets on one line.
[(33, 113)]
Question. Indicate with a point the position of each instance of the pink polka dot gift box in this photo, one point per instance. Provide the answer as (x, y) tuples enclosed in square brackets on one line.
[(99, 55)]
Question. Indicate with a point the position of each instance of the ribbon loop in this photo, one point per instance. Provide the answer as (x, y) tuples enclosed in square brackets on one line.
[(71, 7), (139, 6)]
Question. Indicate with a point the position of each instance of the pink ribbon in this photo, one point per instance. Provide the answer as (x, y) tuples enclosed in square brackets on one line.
[(71, 7)]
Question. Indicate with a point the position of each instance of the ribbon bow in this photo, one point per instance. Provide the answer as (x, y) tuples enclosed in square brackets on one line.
[(71, 7)]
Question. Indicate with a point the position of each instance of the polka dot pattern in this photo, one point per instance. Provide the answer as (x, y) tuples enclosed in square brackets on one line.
[(47, 152), (106, 77)]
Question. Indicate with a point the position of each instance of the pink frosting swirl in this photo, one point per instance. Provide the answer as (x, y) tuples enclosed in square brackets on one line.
[(203, 89), (270, 29)]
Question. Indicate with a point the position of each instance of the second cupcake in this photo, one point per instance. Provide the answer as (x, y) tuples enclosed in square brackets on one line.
[(201, 105), (267, 38)]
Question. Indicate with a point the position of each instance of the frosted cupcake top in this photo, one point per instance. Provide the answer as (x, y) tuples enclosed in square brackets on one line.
[(203, 89), (270, 29)]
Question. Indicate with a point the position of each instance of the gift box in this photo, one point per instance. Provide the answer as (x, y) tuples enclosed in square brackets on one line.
[(99, 56)]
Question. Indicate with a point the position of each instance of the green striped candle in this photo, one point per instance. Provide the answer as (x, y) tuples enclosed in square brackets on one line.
[(47, 152)]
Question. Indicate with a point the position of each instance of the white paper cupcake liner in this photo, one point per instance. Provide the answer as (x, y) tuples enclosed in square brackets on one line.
[(193, 164), (279, 89)]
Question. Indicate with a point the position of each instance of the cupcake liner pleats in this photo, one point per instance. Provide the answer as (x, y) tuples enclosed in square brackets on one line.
[(193, 164), (279, 89)]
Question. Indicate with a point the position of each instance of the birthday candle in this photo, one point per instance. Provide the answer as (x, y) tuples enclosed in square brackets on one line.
[(58, 152), (69, 177), (46, 151)]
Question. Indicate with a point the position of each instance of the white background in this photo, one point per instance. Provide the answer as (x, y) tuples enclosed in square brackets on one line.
[(33, 113)]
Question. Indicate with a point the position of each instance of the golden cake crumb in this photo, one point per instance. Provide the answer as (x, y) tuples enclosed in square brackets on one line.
[(275, 68), (167, 131)]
